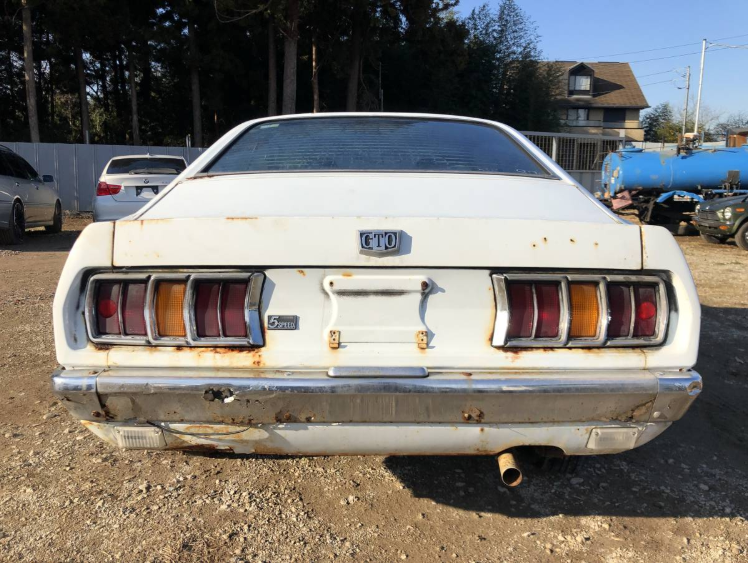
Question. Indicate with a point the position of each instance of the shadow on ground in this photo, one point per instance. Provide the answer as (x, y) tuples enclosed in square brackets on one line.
[(697, 468)]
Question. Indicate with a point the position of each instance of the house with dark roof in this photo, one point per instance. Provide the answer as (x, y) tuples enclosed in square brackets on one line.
[(601, 98)]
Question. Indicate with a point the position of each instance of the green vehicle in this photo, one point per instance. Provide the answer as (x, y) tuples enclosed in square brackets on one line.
[(723, 218)]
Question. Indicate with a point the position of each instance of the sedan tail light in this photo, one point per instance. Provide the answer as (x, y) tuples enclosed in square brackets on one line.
[(579, 310), (180, 309), (104, 189)]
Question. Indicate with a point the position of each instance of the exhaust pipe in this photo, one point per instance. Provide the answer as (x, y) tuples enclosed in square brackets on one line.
[(511, 473)]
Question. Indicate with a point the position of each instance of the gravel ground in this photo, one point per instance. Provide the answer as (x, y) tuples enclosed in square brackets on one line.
[(65, 495)]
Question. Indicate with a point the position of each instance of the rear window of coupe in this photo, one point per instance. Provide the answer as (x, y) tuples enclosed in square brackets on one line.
[(144, 165), (375, 144)]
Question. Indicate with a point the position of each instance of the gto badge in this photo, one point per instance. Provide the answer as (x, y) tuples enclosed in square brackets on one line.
[(378, 243), (283, 322)]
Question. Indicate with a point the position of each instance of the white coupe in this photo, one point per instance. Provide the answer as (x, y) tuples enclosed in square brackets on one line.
[(376, 284)]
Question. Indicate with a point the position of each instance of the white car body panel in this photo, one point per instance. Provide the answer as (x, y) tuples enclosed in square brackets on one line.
[(300, 229)]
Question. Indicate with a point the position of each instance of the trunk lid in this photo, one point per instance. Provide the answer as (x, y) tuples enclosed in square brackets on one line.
[(138, 187), (302, 231)]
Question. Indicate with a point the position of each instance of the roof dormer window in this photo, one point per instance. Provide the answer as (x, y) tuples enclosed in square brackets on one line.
[(579, 83), (581, 79)]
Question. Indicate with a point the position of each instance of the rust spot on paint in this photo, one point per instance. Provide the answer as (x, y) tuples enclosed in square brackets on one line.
[(212, 429), (101, 346), (545, 239), (467, 374), (572, 241), (597, 244), (345, 275), (300, 271), (637, 413), (534, 245)]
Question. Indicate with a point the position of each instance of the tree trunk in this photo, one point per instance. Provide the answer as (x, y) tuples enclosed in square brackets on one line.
[(82, 95), (133, 96), (354, 67), (315, 78), (272, 71), (28, 66), (290, 49), (197, 116)]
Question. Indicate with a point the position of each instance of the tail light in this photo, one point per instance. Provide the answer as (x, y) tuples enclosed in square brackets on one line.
[(182, 309), (104, 189), (575, 310)]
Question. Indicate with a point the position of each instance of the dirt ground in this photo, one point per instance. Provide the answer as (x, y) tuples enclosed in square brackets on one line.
[(65, 495)]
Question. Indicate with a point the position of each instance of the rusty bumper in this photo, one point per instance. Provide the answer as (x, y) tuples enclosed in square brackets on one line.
[(251, 397)]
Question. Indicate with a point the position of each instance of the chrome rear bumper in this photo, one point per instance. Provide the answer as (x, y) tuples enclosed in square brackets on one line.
[(311, 413), (259, 397)]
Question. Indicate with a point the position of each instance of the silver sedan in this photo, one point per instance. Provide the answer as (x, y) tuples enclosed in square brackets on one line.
[(26, 200)]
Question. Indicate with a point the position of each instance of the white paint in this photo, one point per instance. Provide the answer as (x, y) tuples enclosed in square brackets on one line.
[(397, 439)]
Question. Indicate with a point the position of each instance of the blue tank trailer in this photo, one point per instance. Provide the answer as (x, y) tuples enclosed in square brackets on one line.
[(665, 187)]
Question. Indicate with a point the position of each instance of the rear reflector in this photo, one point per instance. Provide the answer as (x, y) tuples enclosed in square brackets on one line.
[(133, 309), (107, 308), (585, 310), (169, 309), (232, 309), (645, 320), (521, 310), (206, 309)]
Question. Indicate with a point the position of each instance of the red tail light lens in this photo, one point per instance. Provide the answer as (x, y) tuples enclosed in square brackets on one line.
[(232, 309), (645, 318), (133, 309), (580, 310), (107, 308), (206, 309), (521, 310), (104, 189), (619, 306), (524, 307), (549, 311)]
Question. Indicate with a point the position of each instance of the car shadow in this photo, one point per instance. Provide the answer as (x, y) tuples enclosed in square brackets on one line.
[(39, 241), (697, 468)]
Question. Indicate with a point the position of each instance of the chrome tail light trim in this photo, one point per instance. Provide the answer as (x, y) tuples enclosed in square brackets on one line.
[(501, 324), (252, 317)]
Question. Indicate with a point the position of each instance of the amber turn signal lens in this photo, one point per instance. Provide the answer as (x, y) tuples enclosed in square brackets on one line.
[(585, 311), (169, 302)]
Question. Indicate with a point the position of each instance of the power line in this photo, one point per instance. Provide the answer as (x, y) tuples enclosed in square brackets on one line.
[(655, 73), (685, 54), (657, 49), (659, 82)]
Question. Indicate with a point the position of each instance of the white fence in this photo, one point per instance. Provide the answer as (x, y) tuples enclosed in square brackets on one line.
[(77, 168), (579, 155)]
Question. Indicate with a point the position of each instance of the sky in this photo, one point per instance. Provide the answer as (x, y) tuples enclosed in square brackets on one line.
[(599, 30)]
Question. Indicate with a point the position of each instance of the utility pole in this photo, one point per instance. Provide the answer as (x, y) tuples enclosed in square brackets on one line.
[(685, 104), (701, 80)]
